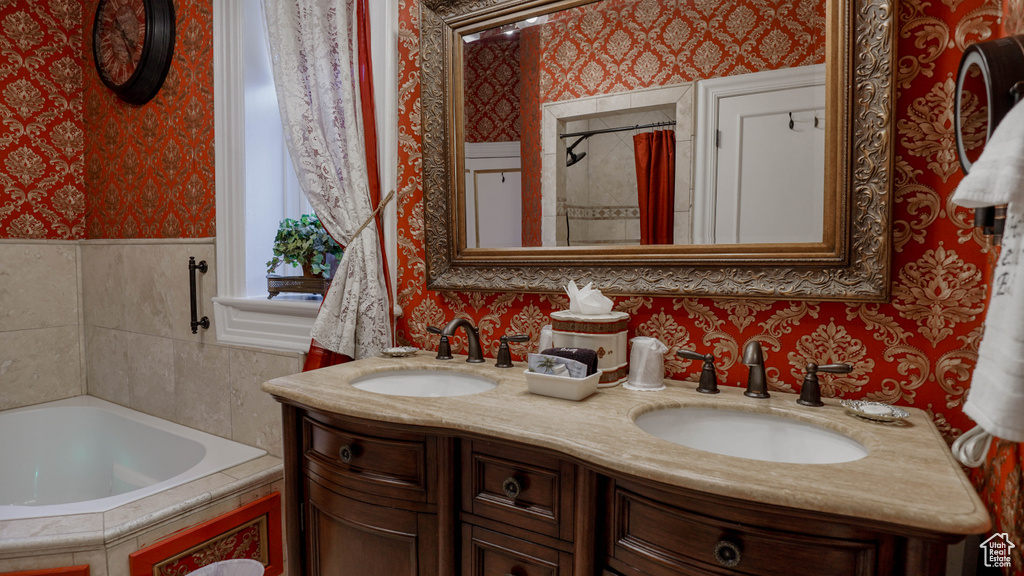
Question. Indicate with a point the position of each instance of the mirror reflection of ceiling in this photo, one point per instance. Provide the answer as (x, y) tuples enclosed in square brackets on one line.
[(618, 46)]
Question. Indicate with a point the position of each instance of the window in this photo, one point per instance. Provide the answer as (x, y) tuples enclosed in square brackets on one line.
[(256, 185)]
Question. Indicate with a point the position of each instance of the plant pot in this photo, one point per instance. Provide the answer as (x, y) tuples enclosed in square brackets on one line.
[(307, 271)]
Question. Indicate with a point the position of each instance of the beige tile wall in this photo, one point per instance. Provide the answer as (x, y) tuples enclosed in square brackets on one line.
[(41, 357), (141, 353), (111, 319)]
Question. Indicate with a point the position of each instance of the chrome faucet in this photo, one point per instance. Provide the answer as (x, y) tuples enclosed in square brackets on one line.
[(472, 335), (757, 382)]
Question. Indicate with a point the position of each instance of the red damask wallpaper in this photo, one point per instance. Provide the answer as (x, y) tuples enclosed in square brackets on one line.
[(530, 45), (918, 350), (492, 78), (621, 45), (42, 164), (150, 168)]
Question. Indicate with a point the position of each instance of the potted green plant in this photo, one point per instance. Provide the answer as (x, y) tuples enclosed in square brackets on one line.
[(304, 243)]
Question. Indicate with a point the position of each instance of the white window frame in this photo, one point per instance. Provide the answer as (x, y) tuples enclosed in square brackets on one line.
[(253, 320)]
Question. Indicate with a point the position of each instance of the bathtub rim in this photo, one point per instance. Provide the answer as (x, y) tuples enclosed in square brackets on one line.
[(217, 450), (98, 531)]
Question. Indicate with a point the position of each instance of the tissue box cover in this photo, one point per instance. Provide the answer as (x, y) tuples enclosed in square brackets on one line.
[(603, 333), (562, 386)]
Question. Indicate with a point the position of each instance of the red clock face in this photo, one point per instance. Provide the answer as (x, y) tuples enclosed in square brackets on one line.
[(121, 34)]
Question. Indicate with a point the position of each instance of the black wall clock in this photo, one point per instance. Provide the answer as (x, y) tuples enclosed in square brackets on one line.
[(132, 44)]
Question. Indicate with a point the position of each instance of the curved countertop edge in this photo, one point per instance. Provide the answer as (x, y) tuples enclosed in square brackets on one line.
[(909, 478)]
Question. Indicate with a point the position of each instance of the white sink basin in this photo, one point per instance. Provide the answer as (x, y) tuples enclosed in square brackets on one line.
[(750, 435), (423, 383)]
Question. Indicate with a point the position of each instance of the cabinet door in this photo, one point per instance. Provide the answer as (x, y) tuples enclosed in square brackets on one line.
[(348, 537)]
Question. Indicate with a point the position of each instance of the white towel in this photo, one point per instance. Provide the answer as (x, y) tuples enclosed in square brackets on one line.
[(996, 398)]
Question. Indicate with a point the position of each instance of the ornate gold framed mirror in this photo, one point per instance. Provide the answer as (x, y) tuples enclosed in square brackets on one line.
[(589, 77)]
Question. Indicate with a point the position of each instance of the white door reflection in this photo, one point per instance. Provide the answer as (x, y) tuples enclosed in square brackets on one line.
[(494, 202)]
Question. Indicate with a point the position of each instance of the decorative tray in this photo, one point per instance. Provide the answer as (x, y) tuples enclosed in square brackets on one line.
[(399, 351), (877, 411)]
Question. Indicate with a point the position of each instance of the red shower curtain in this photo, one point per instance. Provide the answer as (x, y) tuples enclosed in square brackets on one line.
[(655, 154)]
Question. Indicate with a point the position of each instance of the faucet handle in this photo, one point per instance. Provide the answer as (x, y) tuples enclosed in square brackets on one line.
[(708, 379), (504, 354), (810, 392), (836, 368), (444, 348)]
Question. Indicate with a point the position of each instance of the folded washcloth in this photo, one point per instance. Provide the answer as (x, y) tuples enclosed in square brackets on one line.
[(996, 398), (556, 366), (585, 355)]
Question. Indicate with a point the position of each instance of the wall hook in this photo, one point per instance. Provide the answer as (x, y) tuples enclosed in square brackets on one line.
[(791, 121)]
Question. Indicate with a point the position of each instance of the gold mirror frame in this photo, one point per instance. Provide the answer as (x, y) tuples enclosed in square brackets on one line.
[(853, 264)]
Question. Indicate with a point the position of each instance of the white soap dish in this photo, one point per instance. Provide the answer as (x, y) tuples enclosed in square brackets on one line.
[(399, 351), (562, 386), (877, 411)]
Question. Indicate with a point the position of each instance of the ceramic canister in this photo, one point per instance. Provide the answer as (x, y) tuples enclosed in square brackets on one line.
[(604, 333)]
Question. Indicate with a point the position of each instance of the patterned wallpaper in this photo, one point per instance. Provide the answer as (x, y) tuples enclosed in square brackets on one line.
[(620, 45), (42, 163), (492, 77), (150, 168), (917, 350), (530, 46), (1013, 17)]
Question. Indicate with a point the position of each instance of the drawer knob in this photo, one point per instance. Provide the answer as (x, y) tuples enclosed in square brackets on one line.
[(727, 553), (511, 487), (346, 453)]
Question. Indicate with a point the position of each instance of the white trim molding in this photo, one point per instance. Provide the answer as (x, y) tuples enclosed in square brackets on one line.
[(262, 323)]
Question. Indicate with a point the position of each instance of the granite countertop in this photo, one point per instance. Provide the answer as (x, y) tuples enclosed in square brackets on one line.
[(909, 478)]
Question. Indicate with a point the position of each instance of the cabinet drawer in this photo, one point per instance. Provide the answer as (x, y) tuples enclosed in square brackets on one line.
[(661, 540), (524, 488), (391, 467), (487, 553)]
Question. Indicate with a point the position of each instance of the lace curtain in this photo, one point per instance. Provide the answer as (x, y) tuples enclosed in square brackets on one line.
[(314, 51)]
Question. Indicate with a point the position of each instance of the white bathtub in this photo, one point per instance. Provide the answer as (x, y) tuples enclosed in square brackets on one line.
[(83, 455)]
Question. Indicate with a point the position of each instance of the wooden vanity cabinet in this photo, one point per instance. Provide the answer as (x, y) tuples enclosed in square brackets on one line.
[(368, 499), (371, 498)]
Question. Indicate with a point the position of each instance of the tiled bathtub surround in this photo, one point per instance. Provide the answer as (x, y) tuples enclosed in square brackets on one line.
[(125, 336), (41, 356), (141, 353), (111, 318)]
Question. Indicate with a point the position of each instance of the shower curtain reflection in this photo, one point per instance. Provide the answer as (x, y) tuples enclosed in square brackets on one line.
[(655, 154)]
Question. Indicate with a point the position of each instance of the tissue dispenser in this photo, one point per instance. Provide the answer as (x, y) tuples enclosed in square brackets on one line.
[(603, 333)]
